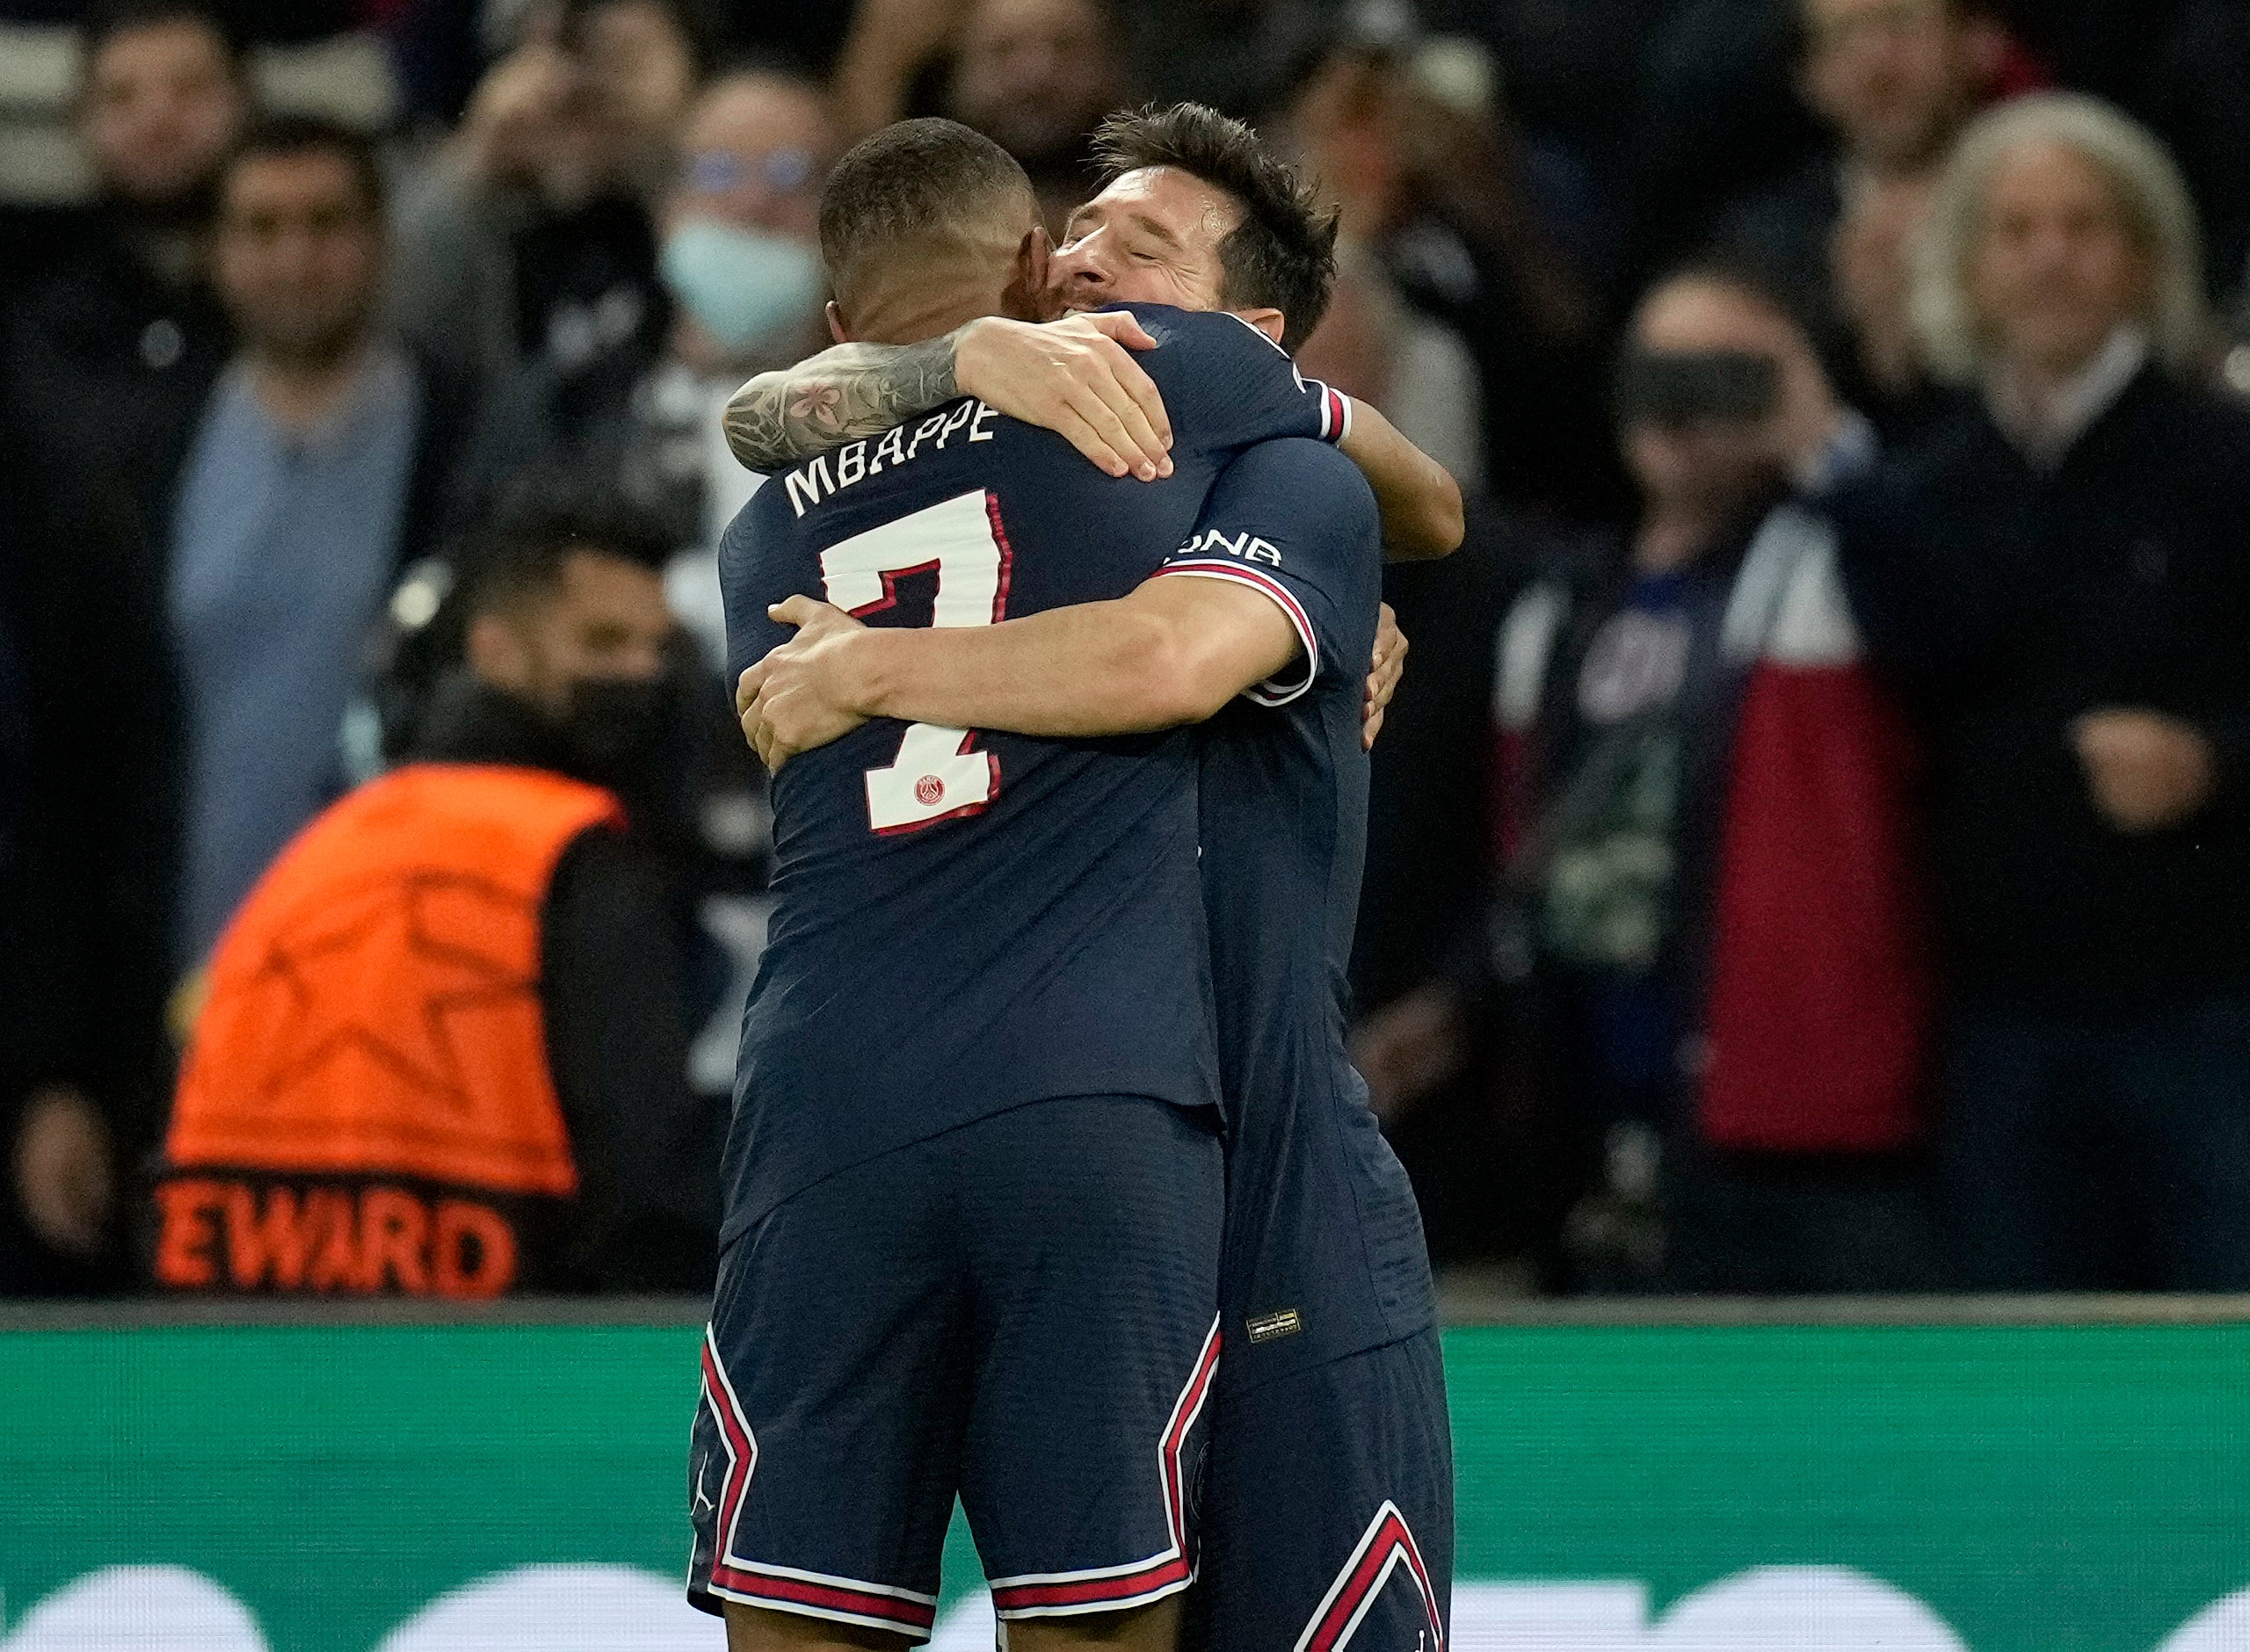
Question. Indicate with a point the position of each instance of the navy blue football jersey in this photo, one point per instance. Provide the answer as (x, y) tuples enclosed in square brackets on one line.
[(967, 921), (1325, 1254)]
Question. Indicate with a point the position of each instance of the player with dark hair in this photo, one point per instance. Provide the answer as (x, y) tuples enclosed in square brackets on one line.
[(974, 1180), (1328, 1506), (1281, 250)]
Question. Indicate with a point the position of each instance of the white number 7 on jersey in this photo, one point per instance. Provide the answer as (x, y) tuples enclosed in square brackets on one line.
[(938, 774)]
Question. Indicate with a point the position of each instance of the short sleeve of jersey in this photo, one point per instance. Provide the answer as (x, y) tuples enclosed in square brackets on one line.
[(1226, 385), (1295, 521), (750, 632)]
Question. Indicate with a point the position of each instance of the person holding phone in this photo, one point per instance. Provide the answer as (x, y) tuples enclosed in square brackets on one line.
[(1708, 928)]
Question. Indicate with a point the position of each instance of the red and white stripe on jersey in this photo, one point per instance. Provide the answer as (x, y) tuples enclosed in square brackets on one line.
[(1273, 690), (1136, 1583), (1335, 411), (1386, 1545), (786, 1587), (1335, 406)]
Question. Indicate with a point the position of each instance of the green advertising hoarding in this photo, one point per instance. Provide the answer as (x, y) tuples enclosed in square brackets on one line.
[(402, 1488)]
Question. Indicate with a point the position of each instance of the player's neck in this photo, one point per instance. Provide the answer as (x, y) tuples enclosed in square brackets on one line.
[(914, 317)]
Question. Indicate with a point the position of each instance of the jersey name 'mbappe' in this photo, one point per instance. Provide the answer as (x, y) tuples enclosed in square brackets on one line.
[(809, 483)]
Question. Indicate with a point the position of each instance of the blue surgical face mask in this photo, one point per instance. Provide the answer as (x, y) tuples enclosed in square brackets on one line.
[(740, 285)]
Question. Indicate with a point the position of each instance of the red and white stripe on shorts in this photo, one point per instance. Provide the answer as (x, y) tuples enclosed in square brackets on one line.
[(1136, 1583), (1386, 1545), (785, 1588)]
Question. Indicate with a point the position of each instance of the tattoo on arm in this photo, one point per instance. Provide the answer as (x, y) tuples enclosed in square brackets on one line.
[(838, 395)]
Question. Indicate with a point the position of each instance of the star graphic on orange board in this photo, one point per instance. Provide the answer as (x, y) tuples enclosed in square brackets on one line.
[(317, 965)]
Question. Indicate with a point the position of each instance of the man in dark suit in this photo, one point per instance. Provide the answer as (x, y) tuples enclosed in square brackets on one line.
[(2055, 576)]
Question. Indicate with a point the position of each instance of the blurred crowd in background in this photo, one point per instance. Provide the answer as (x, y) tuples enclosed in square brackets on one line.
[(1811, 847)]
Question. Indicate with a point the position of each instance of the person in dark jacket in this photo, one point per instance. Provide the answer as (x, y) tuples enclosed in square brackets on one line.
[(445, 1049), (109, 345), (2057, 578)]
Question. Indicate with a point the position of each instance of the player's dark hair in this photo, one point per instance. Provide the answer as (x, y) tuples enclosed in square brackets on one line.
[(285, 137), (1283, 255), (519, 559), (904, 183), (105, 19)]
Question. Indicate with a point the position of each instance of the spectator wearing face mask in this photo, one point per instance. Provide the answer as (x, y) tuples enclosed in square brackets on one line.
[(1037, 76), (1709, 930), (2056, 575), (740, 261), (529, 235), (444, 1050)]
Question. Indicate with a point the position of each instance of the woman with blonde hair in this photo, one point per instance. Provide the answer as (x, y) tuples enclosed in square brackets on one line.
[(2057, 577)]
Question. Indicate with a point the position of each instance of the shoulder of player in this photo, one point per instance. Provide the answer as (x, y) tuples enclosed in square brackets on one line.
[(1285, 506), (1312, 479), (1203, 341), (762, 514), (1171, 326)]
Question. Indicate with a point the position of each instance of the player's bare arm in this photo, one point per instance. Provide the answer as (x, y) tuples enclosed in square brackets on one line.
[(1076, 377), (1417, 498), (1173, 652), (845, 392)]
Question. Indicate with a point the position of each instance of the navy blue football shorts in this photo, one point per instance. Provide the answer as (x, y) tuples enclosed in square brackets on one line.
[(1022, 1312), (1327, 1510)]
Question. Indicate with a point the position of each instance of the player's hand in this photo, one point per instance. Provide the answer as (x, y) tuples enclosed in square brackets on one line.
[(2148, 772), (1383, 676), (1076, 377), (794, 699)]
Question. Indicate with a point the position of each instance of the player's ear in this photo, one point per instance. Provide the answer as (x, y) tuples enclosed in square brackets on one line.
[(1026, 298), (1271, 322), (836, 329)]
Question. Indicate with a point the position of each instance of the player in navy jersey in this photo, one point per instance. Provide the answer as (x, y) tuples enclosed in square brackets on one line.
[(973, 1182), (1328, 1511)]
